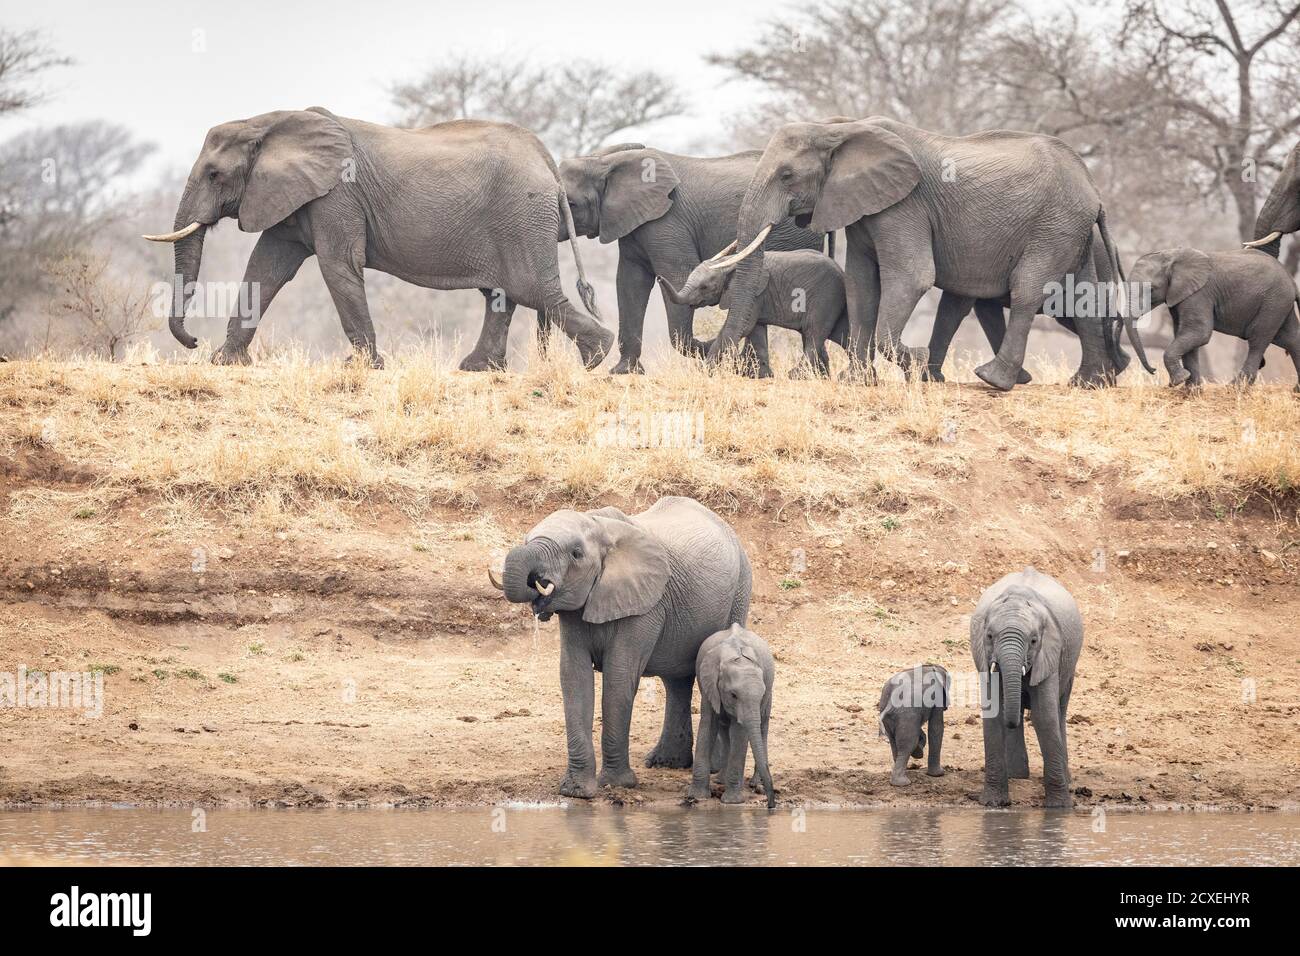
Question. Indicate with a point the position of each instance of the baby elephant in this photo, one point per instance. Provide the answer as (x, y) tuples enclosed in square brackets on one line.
[(909, 699), (735, 671), (1244, 293), (801, 290)]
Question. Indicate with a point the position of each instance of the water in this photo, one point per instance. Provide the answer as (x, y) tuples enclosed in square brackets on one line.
[(603, 835)]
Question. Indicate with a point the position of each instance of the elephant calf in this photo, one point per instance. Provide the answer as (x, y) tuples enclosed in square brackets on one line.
[(1245, 293), (1025, 627), (735, 671), (909, 699), (801, 290), (636, 595)]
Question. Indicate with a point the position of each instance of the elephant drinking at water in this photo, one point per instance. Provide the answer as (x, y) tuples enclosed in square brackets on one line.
[(636, 596)]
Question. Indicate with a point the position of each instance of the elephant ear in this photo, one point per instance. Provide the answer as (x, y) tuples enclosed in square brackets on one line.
[(1189, 270), (870, 170), (300, 156), (707, 674), (632, 577), (637, 188), (978, 645), (1049, 647)]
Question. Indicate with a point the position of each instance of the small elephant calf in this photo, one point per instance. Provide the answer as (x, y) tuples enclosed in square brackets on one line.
[(909, 699), (1244, 293), (735, 671), (801, 290)]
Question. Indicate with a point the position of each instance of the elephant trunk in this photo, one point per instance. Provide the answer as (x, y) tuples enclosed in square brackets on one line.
[(523, 568), (672, 294), (758, 214), (1010, 659), (188, 258), (756, 744)]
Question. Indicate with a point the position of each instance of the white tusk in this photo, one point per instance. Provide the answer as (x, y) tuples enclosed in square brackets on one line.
[(545, 591), (176, 236), (1261, 242), (495, 579), (993, 668), (1023, 670), (723, 252), (739, 257)]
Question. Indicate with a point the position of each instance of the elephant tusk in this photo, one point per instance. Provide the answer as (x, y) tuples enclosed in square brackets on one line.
[(993, 668), (1255, 244), (1023, 670), (176, 236), (742, 255), (496, 579), (544, 591), (723, 252)]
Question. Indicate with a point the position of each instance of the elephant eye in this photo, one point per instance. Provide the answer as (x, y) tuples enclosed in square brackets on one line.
[(577, 554), (212, 175)]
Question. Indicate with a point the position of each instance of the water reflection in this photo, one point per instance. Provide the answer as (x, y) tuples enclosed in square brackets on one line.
[(586, 835)]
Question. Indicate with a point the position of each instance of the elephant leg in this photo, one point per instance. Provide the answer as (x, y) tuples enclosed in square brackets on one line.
[(1096, 369), (1254, 359), (622, 667), (994, 325), (721, 747), (1048, 726), (734, 775), (900, 291), (578, 687), (1194, 325), (754, 354), (862, 291), (1004, 370), (934, 766), (674, 746), (947, 319), (907, 738), (345, 278), (996, 792), (1017, 755), (490, 352), (704, 744), (814, 354), (1288, 337), (1192, 362), (634, 282), (273, 263)]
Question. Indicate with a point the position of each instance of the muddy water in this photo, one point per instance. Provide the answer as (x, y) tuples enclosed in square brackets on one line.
[(603, 835)]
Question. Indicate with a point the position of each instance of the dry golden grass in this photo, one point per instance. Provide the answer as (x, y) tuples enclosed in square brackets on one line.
[(289, 441)]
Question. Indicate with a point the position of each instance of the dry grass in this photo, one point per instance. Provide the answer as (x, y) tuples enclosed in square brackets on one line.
[(289, 441)]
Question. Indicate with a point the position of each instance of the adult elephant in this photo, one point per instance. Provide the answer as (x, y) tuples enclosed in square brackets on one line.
[(1101, 360), (1280, 214), (636, 596), (994, 214), (668, 214), (465, 204)]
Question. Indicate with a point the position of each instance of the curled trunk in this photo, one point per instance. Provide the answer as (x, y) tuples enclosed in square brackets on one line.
[(522, 566)]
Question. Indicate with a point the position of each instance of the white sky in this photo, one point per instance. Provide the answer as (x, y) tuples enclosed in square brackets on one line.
[(136, 65)]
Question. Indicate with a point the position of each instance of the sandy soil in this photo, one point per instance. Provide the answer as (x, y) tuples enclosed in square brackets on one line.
[(373, 664)]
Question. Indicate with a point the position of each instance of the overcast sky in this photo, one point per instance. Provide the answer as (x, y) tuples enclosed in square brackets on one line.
[(170, 69)]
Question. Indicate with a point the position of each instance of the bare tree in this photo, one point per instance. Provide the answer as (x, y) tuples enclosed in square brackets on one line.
[(24, 58), (573, 109), (97, 308)]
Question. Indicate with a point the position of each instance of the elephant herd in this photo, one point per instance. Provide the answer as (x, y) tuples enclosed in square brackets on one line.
[(996, 219), (666, 594)]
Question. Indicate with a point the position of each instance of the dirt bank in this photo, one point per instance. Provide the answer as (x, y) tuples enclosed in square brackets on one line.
[(346, 648)]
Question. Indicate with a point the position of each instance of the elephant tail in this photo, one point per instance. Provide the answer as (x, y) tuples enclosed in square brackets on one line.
[(1129, 326)]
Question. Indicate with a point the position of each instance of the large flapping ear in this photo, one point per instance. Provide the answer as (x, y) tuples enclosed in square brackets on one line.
[(1049, 645), (978, 642), (1189, 270), (299, 156), (707, 675), (637, 188), (870, 169), (633, 575)]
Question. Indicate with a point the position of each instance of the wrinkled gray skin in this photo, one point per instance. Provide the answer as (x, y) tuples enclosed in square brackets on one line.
[(1102, 359), (994, 214), (459, 205), (802, 290), (668, 213), (1245, 293), (1026, 636), (636, 596), (1281, 210), (735, 671), (909, 700)]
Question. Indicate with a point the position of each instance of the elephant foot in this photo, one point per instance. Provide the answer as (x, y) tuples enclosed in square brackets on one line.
[(857, 374), (932, 373), (698, 792), (478, 361), (628, 366), (995, 798), (934, 771), (1001, 375), (1059, 801), (1178, 376), (900, 780), (1023, 378), (673, 757), (756, 784), (617, 778), (364, 357), (594, 347), (1091, 379), (229, 355), (738, 795), (583, 787)]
